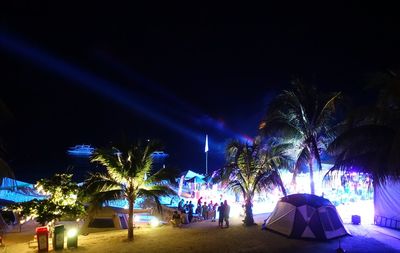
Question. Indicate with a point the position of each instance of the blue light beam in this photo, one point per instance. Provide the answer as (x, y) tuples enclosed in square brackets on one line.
[(195, 115), (98, 85)]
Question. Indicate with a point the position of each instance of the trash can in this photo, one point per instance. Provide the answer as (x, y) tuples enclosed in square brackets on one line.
[(42, 236), (58, 237), (356, 219)]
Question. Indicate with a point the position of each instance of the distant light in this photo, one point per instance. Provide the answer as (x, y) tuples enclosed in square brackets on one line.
[(137, 218), (73, 232), (154, 222), (236, 211), (159, 155)]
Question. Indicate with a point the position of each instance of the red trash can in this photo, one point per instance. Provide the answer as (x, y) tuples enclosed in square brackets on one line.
[(42, 236)]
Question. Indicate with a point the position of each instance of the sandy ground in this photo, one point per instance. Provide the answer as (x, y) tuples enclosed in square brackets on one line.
[(207, 237)]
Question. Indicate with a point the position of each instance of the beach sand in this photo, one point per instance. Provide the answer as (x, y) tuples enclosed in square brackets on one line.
[(206, 236)]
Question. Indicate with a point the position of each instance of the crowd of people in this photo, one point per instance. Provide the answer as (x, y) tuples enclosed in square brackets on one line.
[(186, 212)]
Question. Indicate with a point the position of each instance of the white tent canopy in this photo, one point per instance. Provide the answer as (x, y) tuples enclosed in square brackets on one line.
[(306, 216), (191, 174)]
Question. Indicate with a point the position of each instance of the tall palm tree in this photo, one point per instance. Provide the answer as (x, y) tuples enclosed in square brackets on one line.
[(251, 169), (304, 117), (128, 176), (370, 138)]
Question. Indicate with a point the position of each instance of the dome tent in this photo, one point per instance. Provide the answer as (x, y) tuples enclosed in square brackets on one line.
[(306, 216)]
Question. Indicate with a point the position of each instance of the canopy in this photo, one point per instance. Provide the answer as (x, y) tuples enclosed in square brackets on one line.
[(190, 174), (196, 179)]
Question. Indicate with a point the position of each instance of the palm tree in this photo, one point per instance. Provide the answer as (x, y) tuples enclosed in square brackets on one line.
[(128, 176), (251, 169), (304, 117), (370, 139)]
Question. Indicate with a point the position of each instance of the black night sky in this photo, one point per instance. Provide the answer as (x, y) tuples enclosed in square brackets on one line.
[(171, 75)]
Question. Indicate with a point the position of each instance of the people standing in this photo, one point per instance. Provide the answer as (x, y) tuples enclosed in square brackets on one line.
[(214, 212), (221, 211), (198, 211), (227, 210), (190, 212), (199, 201), (210, 205), (204, 211), (180, 205)]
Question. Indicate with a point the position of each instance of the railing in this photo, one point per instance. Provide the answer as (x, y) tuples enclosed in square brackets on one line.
[(387, 222)]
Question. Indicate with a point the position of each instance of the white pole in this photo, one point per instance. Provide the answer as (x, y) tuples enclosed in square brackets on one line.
[(207, 163), (206, 151)]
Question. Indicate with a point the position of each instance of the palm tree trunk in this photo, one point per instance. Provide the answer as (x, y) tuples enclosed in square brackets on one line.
[(130, 220), (280, 183), (294, 183), (312, 186), (248, 218)]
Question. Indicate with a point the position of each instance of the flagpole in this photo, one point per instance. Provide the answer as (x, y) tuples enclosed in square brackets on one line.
[(206, 151), (207, 163)]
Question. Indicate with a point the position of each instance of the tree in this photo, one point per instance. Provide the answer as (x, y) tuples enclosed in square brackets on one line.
[(62, 200), (128, 176), (251, 169), (304, 117), (370, 136)]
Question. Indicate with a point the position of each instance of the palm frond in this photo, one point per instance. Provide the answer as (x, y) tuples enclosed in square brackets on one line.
[(236, 187), (361, 139), (153, 194), (161, 190), (169, 174), (326, 113), (100, 182), (97, 199)]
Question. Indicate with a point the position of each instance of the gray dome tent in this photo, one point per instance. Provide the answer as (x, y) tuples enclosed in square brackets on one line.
[(306, 216)]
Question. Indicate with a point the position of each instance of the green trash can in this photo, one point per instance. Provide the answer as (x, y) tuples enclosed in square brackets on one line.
[(58, 237)]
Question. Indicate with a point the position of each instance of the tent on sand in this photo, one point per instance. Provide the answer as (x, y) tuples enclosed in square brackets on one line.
[(306, 216)]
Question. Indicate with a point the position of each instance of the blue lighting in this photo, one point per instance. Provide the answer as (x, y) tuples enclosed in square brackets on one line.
[(124, 97), (98, 85), (174, 104), (81, 150), (159, 155), (17, 191)]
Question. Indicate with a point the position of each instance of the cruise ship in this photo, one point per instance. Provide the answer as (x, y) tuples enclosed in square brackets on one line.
[(81, 150)]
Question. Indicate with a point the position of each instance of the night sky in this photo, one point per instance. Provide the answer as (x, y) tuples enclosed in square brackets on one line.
[(170, 75)]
